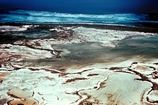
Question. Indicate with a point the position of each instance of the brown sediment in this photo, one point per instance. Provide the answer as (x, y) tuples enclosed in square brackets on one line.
[(49, 78), (97, 87), (13, 95), (53, 71), (143, 77), (63, 33), (156, 63), (3, 101), (2, 75), (85, 103), (152, 67), (1, 80), (74, 79), (80, 72), (22, 102), (20, 93), (102, 85), (153, 88), (90, 100), (92, 74), (112, 100), (6, 57), (63, 74), (135, 63), (142, 96), (115, 68), (151, 102), (143, 67), (140, 67), (155, 75)]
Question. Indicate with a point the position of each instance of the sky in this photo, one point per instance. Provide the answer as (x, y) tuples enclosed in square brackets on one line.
[(84, 6)]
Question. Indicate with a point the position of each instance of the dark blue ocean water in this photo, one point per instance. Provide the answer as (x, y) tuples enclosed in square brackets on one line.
[(25, 16)]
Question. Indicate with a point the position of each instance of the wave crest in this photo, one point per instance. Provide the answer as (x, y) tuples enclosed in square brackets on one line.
[(45, 16)]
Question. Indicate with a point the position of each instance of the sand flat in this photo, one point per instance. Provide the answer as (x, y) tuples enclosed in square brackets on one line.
[(80, 66)]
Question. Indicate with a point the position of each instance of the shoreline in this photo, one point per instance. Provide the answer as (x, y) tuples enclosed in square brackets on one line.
[(80, 44), (116, 64), (150, 27)]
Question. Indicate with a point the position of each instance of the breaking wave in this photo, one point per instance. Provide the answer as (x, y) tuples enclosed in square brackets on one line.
[(53, 17)]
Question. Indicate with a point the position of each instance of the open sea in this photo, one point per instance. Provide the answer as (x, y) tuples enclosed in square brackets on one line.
[(38, 17)]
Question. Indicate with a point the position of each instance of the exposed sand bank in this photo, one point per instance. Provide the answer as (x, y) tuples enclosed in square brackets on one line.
[(80, 66)]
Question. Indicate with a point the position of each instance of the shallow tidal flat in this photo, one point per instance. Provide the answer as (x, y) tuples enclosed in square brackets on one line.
[(78, 65)]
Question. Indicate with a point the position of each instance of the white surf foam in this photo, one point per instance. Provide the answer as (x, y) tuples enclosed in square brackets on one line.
[(45, 16)]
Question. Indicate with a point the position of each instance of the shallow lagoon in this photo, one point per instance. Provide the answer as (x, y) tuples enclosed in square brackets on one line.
[(56, 68), (141, 48)]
